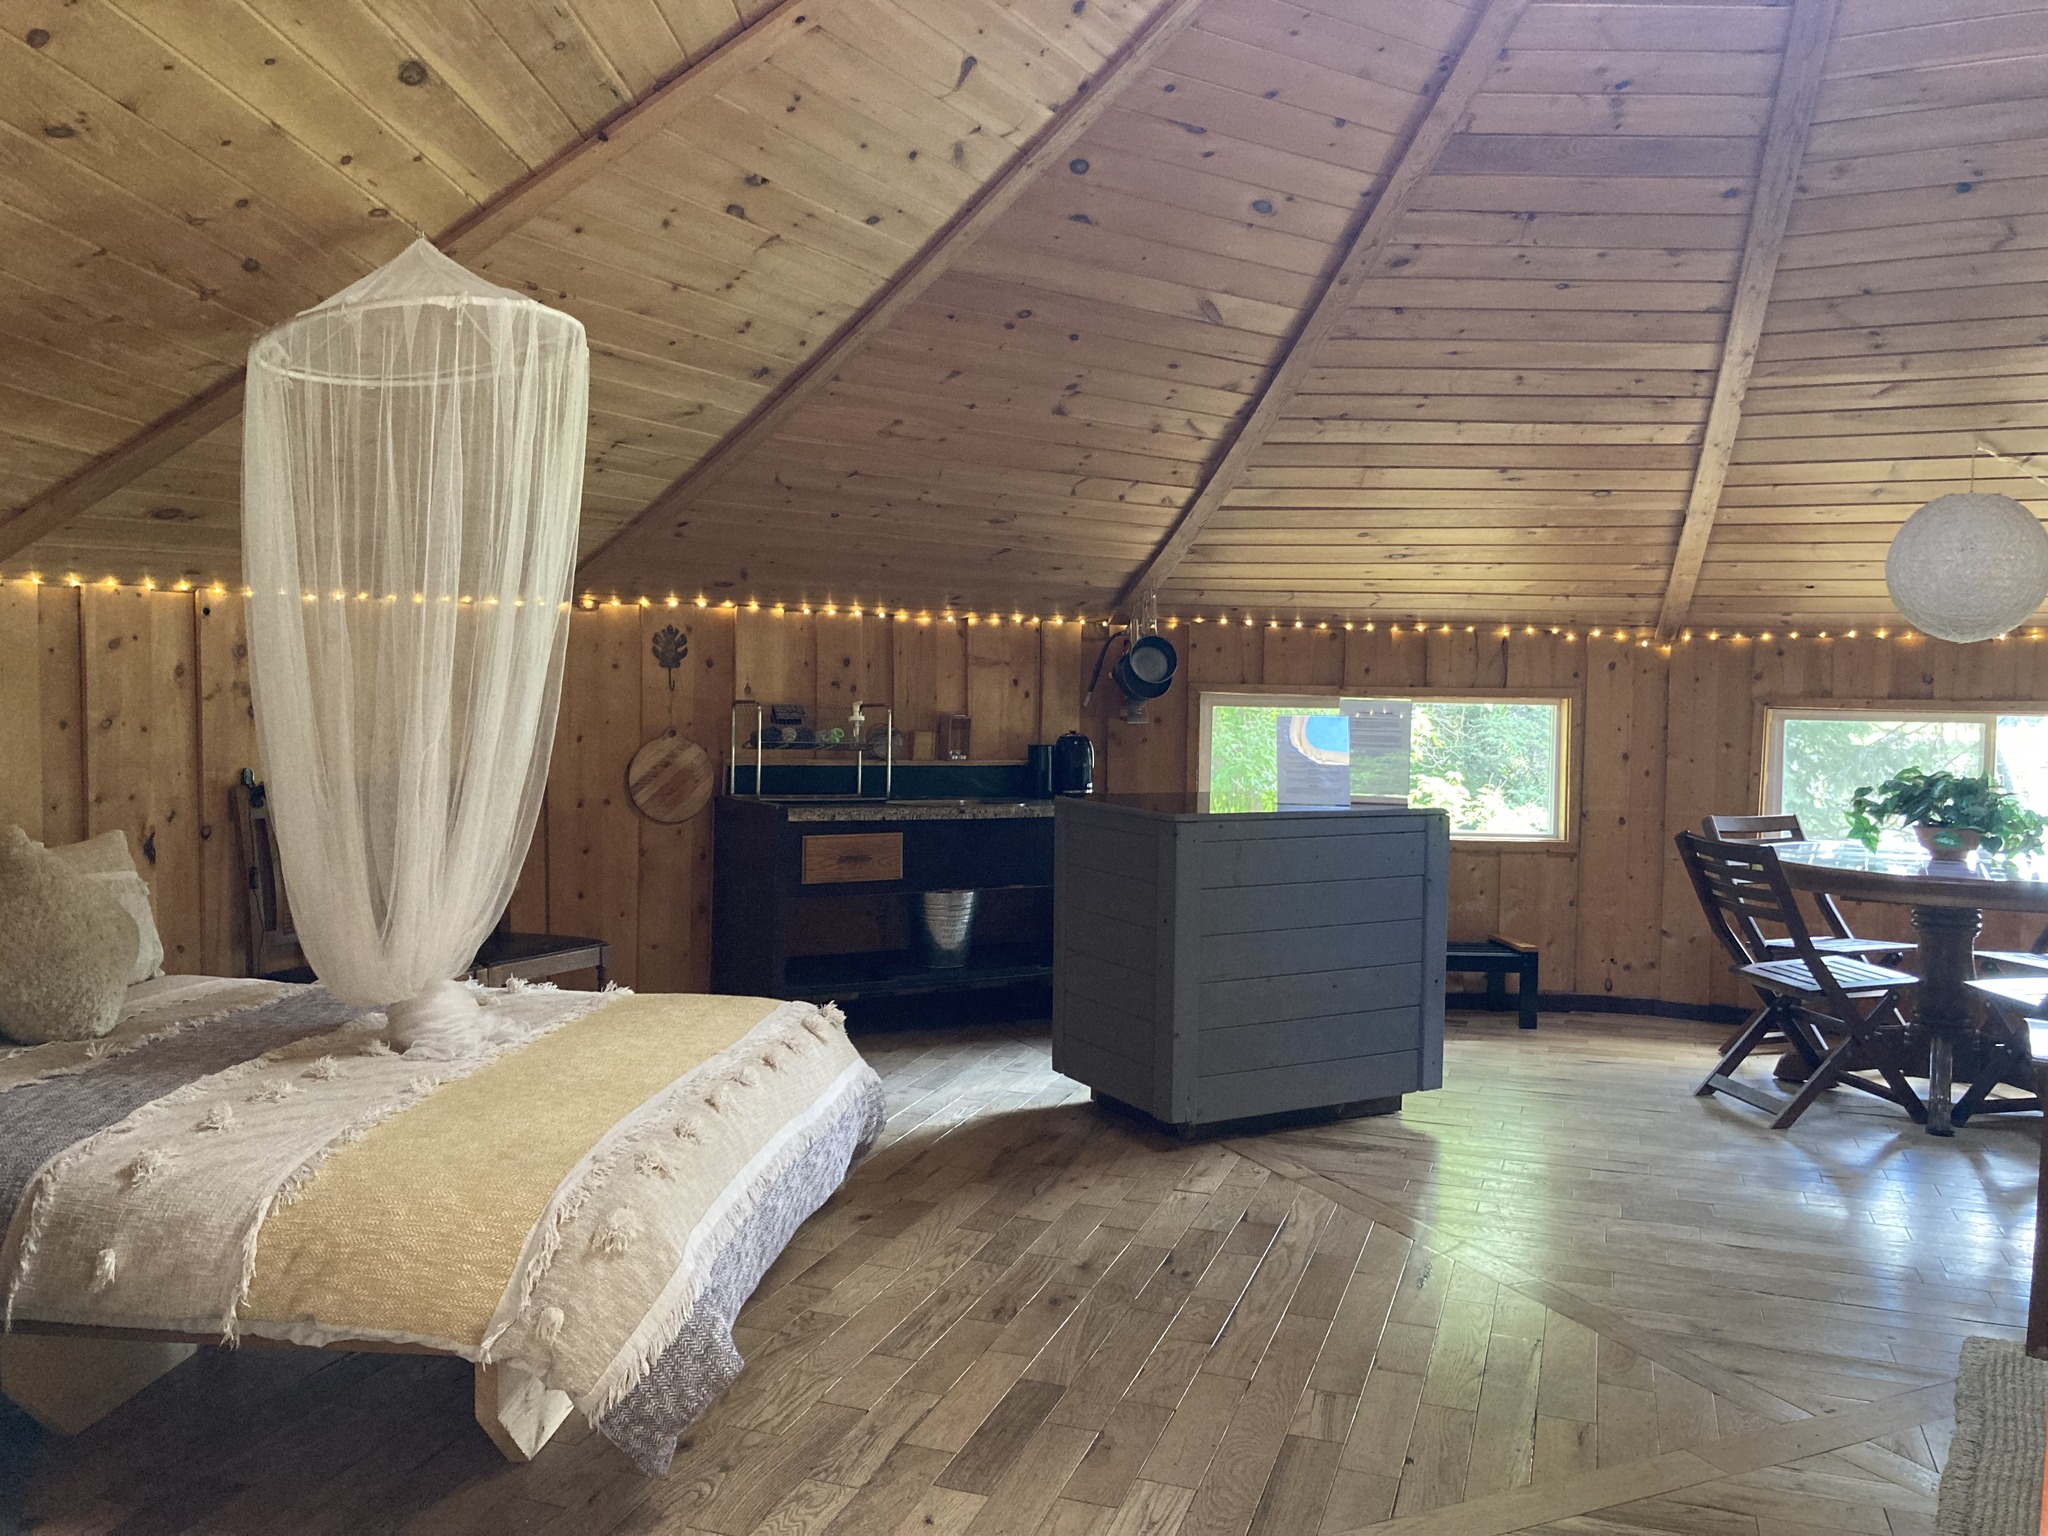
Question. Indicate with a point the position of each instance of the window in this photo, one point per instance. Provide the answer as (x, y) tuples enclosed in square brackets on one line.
[(1496, 764), (1818, 758)]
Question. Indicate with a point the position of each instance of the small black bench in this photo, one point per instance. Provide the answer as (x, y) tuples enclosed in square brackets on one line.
[(1499, 958)]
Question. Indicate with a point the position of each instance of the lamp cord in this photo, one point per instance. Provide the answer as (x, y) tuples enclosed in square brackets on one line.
[(2018, 462), (1100, 657)]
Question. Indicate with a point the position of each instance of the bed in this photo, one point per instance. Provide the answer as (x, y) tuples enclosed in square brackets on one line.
[(579, 1208)]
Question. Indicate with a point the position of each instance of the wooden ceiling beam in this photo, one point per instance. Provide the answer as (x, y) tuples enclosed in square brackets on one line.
[(614, 558), (1446, 114), (743, 47), (1785, 134)]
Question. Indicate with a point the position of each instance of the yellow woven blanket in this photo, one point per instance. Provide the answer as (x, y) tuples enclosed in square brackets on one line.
[(414, 1232)]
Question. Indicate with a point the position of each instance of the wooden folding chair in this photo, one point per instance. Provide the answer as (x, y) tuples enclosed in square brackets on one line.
[(2013, 1008), (1839, 939), (2021, 962), (1839, 1012), (271, 940)]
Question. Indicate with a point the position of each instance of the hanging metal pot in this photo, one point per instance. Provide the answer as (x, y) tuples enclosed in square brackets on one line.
[(1146, 668)]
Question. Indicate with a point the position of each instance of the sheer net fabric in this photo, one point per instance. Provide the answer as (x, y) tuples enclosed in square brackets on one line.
[(412, 473)]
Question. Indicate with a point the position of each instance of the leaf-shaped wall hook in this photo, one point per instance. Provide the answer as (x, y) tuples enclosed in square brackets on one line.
[(671, 645)]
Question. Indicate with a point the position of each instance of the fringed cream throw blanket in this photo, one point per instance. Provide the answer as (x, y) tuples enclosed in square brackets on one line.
[(589, 1196)]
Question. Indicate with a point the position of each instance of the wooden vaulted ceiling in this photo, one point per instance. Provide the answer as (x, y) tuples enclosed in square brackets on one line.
[(173, 179), (1629, 310)]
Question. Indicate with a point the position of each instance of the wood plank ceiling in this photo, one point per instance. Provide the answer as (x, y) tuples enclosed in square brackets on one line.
[(1026, 434), (175, 179), (1504, 422), (1507, 422), (1909, 320)]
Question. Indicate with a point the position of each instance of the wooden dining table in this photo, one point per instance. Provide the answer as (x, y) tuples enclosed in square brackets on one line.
[(1948, 901)]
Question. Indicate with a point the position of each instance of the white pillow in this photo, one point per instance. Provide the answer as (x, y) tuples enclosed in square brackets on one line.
[(65, 948), (105, 861)]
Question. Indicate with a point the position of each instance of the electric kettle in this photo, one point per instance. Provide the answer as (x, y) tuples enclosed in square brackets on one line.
[(1073, 765)]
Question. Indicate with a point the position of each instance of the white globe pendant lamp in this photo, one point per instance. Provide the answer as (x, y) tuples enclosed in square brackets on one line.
[(1970, 566)]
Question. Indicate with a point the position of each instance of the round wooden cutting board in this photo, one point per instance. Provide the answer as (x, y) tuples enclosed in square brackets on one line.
[(670, 779)]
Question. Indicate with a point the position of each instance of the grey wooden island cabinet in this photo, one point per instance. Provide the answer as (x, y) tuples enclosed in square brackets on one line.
[(1210, 968)]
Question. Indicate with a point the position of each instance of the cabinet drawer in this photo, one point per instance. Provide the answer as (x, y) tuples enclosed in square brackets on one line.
[(853, 857)]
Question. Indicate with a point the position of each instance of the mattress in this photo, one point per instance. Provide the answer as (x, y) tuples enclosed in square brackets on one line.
[(589, 1197)]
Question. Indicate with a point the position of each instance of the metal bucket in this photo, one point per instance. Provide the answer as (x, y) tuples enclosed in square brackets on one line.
[(944, 922)]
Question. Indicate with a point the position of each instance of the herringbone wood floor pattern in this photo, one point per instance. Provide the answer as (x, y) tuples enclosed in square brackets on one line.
[(1561, 1295)]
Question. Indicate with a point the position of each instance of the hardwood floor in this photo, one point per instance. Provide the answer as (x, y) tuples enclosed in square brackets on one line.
[(1560, 1295)]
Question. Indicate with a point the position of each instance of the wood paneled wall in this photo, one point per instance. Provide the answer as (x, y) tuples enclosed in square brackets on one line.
[(1660, 741), (120, 707), (599, 867), (127, 708)]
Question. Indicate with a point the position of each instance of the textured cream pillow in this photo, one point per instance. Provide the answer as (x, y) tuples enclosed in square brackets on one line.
[(66, 947), (105, 860)]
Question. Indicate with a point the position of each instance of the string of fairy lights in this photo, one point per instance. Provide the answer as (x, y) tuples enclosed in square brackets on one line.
[(1638, 635)]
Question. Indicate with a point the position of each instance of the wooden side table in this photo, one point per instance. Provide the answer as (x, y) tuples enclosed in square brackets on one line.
[(1498, 958), (537, 956)]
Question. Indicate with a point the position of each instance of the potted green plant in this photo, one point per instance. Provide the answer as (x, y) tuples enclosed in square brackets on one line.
[(1951, 815)]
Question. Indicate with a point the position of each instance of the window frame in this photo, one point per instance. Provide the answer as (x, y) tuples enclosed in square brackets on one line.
[(1771, 771), (1286, 695)]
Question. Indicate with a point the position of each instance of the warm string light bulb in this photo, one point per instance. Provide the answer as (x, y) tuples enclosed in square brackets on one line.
[(1624, 634)]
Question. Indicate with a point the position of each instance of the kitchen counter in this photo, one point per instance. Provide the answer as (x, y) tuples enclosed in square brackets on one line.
[(786, 871), (1189, 805), (850, 809)]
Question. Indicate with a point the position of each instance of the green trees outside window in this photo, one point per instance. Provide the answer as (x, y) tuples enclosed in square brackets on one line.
[(1819, 758), (1496, 766)]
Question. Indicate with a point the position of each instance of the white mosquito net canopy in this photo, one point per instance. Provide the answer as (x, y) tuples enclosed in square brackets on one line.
[(412, 467)]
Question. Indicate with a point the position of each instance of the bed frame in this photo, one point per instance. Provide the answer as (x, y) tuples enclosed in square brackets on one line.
[(68, 1377)]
